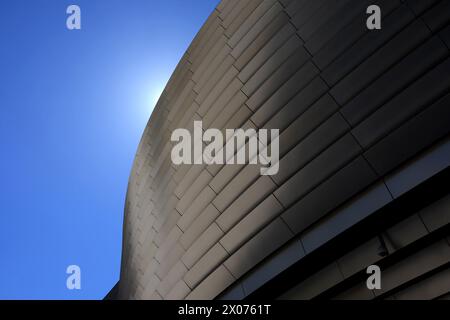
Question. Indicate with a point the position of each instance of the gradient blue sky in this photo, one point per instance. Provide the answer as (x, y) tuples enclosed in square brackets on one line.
[(73, 106)]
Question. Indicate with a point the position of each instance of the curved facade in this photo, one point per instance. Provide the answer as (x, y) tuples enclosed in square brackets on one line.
[(364, 121)]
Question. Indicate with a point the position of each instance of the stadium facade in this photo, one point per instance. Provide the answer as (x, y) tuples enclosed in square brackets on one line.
[(364, 121)]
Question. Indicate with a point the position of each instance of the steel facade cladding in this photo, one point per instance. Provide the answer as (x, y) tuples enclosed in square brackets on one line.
[(364, 118)]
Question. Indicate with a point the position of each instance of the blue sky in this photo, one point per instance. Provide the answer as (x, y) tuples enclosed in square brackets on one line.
[(72, 110)]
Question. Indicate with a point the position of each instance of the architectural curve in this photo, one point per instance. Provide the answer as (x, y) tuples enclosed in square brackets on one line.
[(364, 122)]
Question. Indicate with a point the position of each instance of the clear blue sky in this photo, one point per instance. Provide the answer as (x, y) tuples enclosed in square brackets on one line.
[(73, 106)]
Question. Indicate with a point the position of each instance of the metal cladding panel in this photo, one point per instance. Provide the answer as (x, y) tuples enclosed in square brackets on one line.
[(359, 112)]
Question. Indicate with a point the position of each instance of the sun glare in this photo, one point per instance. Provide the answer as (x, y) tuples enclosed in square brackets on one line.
[(155, 95)]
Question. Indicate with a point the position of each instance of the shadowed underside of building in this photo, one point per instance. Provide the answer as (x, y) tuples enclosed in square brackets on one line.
[(364, 120)]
